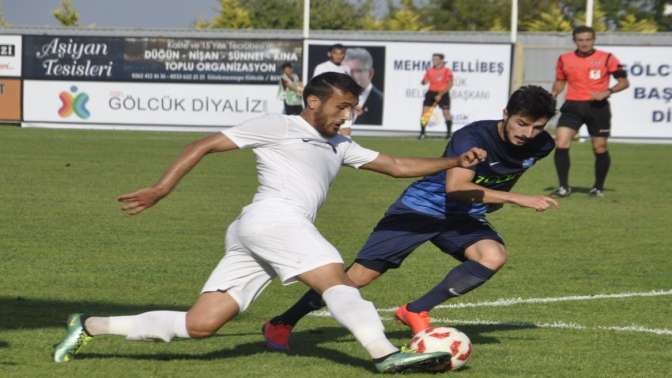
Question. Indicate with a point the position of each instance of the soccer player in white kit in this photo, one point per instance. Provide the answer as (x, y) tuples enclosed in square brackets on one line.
[(297, 159)]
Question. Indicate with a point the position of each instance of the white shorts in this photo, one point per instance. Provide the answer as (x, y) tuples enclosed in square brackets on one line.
[(261, 244)]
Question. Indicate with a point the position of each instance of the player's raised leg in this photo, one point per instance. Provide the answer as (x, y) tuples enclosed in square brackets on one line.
[(361, 318), (483, 259), (278, 330)]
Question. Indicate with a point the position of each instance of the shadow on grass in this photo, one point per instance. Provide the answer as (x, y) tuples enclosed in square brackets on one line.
[(304, 344), (21, 313), (246, 350), (24, 313)]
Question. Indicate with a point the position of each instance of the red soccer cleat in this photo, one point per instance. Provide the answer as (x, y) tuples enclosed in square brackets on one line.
[(277, 335), (418, 321)]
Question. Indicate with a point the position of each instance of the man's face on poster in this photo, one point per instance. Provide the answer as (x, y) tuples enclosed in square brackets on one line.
[(360, 72)]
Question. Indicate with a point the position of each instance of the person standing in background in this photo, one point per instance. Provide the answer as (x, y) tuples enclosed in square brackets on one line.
[(585, 71), (440, 80), (291, 90)]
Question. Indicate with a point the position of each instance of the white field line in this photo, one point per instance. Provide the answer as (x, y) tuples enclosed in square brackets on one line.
[(560, 325), (577, 298)]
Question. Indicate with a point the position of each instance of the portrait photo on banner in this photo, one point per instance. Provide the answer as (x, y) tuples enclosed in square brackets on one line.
[(366, 65)]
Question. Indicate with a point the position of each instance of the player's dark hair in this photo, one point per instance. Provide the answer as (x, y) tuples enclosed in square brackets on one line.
[(322, 86), (439, 55), (582, 29), (336, 46), (531, 101), (286, 65)]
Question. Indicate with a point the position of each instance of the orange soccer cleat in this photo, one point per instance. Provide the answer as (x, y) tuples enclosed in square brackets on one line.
[(418, 321)]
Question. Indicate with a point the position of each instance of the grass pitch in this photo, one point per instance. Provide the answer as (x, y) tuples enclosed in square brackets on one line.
[(65, 247)]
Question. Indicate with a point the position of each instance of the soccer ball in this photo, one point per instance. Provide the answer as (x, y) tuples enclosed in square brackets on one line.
[(443, 339)]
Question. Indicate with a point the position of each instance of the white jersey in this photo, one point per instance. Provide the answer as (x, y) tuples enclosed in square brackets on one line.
[(329, 66), (295, 164)]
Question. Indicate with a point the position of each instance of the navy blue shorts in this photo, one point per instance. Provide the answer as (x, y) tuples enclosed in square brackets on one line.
[(399, 234)]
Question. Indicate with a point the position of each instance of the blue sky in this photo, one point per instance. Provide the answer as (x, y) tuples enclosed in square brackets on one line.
[(119, 13)]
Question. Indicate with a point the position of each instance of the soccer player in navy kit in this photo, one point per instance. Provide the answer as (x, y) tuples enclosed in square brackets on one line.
[(449, 209)]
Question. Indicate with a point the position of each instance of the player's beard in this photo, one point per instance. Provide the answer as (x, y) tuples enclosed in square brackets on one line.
[(320, 121)]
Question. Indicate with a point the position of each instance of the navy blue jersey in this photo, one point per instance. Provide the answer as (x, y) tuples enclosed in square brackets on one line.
[(503, 167)]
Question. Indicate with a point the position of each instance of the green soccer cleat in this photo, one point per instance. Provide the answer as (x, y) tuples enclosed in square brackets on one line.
[(73, 341), (415, 362)]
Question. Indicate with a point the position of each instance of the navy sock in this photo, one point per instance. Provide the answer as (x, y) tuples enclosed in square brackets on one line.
[(602, 162), (462, 279), (561, 159), (449, 128), (309, 302)]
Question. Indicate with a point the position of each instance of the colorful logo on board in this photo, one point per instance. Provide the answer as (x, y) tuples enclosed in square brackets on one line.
[(73, 102)]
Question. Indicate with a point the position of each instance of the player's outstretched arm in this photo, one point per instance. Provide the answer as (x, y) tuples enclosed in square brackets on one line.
[(459, 185), (415, 167), (140, 200)]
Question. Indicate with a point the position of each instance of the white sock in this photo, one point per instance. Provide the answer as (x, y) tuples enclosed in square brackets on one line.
[(163, 325), (359, 317)]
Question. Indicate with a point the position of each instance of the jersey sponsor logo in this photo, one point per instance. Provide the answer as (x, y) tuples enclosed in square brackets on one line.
[(483, 180), (595, 74)]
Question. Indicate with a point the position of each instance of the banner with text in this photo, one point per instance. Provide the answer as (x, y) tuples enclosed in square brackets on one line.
[(644, 110), (157, 59), (151, 104), (10, 55), (480, 87)]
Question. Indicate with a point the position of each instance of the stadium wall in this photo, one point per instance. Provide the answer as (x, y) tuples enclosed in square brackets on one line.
[(136, 87)]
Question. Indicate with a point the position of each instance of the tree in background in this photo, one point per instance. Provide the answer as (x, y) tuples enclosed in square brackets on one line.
[(552, 19), (416, 15), (338, 14), (465, 14), (406, 17), (231, 15), (600, 19), (663, 14), (630, 23), (275, 14), (66, 14), (622, 15)]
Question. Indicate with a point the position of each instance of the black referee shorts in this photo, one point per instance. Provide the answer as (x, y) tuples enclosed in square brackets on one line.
[(429, 99), (595, 114)]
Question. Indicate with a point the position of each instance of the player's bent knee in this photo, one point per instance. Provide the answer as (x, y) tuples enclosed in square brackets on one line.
[(361, 276), (494, 259), (202, 328)]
